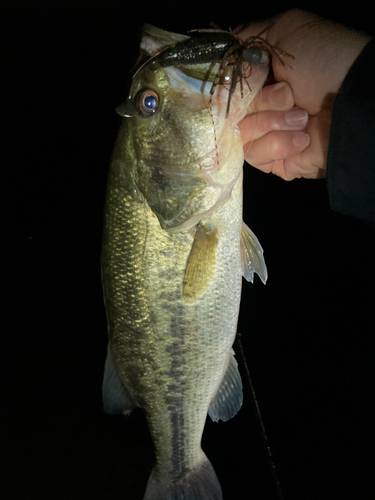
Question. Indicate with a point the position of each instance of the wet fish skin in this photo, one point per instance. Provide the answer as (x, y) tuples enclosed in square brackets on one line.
[(172, 270)]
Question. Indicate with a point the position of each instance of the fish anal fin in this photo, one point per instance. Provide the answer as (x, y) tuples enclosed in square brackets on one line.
[(201, 263), (229, 397), (115, 397), (252, 256)]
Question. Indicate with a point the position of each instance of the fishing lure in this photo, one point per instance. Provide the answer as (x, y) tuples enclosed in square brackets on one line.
[(217, 46)]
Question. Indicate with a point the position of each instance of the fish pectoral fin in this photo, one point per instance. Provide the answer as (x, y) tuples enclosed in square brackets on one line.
[(201, 262), (228, 398), (115, 397), (252, 256)]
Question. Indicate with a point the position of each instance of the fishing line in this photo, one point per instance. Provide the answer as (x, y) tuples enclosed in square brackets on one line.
[(214, 130), (259, 420)]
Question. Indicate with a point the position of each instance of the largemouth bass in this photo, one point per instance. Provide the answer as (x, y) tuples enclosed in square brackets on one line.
[(175, 249)]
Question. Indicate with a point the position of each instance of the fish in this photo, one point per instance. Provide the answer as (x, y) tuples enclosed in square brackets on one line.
[(175, 249)]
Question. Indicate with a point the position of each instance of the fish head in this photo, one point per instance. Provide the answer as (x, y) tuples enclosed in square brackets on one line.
[(187, 150)]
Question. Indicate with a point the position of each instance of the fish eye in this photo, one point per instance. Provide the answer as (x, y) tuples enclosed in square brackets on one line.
[(148, 102)]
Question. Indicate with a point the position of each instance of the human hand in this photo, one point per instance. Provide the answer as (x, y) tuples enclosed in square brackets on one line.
[(323, 54)]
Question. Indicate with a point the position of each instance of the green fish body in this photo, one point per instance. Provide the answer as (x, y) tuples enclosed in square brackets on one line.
[(174, 252)]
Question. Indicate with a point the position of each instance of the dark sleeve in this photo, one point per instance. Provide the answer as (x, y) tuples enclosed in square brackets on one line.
[(351, 153)]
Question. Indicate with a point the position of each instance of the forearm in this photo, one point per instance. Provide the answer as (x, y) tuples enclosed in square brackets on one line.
[(351, 153)]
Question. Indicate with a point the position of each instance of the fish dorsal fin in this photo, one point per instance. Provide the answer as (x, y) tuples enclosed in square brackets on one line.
[(115, 397), (154, 40), (252, 256), (228, 398), (201, 262)]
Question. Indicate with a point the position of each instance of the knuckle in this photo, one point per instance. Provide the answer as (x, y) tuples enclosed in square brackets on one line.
[(268, 121)]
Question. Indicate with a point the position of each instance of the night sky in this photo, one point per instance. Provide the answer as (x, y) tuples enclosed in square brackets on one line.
[(308, 335)]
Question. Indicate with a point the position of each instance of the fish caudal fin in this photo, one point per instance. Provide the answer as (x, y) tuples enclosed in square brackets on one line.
[(115, 397), (229, 397), (200, 483)]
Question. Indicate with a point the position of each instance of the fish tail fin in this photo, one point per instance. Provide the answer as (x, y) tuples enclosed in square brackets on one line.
[(200, 483)]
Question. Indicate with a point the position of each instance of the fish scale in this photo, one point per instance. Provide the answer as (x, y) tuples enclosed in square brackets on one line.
[(172, 269)]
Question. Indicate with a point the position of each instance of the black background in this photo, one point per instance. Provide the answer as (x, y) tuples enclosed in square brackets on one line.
[(308, 335)]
